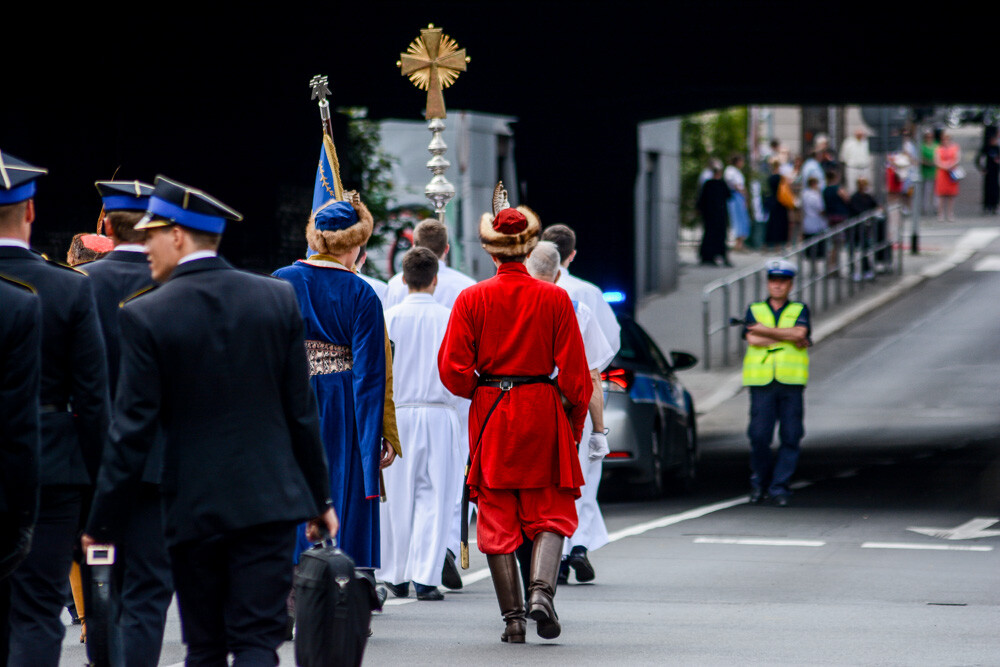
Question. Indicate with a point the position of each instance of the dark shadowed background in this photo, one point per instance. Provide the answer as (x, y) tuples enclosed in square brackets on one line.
[(220, 99)]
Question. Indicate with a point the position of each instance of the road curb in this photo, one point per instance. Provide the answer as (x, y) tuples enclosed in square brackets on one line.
[(969, 244)]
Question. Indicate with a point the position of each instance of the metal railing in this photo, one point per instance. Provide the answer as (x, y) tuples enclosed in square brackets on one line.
[(836, 265)]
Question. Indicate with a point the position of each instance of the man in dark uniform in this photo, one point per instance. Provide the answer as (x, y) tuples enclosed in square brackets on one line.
[(20, 371), (142, 567), (73, 420), (216, 358)]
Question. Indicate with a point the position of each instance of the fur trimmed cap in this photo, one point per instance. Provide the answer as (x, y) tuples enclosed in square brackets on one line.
[(339, 229), (512, 232)]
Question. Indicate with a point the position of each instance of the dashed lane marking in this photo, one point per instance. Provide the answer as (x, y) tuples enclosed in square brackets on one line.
[(759, 542), (991, 263), (923, 547)]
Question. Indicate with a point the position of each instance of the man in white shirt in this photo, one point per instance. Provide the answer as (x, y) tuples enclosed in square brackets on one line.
[(591, 532), (417, 517), (580, 290), (857, 159), (433, 235)]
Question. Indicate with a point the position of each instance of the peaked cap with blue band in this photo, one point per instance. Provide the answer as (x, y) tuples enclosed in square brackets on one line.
[(174, 203), (124, 195), (17, 179)]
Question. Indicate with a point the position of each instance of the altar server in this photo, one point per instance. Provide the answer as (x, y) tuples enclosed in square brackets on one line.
[(417, 516)]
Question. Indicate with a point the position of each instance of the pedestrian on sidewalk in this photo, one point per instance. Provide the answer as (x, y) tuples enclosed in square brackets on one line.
[(988, 162), (712, 204), (776, 368), (779, 202), (947, 158), (928, 172), (739, 216)]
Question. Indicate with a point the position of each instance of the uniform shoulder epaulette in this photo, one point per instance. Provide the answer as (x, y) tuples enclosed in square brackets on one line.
[(144, 290), (52, 262), (18, 283)]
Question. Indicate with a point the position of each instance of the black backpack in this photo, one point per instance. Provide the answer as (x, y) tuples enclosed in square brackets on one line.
[(333, 609)]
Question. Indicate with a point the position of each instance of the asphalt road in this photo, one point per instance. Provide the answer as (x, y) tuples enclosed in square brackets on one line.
[(903, 431)]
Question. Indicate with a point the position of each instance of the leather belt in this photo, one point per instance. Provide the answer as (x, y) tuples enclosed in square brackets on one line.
[(508, 382)]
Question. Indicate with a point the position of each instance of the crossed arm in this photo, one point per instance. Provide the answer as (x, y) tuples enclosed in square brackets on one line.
[(762, 336)]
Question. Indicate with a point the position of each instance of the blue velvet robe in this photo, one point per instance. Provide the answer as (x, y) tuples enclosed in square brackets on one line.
[(340, 308)]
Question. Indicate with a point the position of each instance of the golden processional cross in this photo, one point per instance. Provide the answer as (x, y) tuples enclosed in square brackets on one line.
[(433, 61)]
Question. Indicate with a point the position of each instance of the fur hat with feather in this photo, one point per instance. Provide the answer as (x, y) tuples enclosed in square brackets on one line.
[(509, 232)]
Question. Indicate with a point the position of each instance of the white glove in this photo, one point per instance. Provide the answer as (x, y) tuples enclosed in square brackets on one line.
[(598, 445)]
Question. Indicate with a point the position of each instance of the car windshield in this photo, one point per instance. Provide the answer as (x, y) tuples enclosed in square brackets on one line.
[(633, 346)]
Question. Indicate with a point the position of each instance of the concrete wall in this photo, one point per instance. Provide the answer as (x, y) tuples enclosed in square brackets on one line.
[(657, 206), (474, 150)]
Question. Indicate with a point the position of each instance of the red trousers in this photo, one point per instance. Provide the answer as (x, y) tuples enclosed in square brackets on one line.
[(505, 513)]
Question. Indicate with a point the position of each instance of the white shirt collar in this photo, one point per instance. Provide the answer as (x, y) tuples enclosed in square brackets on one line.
[(419, 297), (16, 243), (197, 254), (131, 247)]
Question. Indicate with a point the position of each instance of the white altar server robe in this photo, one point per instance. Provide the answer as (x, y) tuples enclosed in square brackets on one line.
[(592, 296), (450, 283), (422, 484), (591, 531)]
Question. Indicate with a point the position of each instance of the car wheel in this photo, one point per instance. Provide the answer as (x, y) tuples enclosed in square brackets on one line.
[(687, 473), (654, 488)]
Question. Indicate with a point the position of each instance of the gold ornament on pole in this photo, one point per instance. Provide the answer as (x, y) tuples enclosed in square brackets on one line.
[(432, 62)]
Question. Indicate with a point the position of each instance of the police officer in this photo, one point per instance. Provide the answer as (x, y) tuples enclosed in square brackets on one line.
[(776, 368), (20, 370), (73, 419), (142, 566), (216, 358)]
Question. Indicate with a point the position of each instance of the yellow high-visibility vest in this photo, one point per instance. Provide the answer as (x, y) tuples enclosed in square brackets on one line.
[(780, 360)]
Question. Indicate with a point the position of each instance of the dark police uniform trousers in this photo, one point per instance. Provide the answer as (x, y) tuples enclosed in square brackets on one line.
[(20, 372), (216, 358), (143, 586), (74, 424)]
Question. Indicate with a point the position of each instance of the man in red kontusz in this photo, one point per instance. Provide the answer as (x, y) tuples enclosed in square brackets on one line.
[(506, 337)]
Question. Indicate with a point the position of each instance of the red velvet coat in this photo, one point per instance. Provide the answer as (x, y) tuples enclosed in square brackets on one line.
[(513, 324)]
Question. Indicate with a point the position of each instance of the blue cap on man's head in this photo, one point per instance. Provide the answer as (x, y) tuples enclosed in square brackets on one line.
[(17, 179), (780, 268), (124, 195), (335, 215), (174, 203)]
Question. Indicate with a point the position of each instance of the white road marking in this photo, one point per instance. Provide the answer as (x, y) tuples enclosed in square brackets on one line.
[(969, 530), (850, 472), (927, 547), (759, 542), (991, 263)]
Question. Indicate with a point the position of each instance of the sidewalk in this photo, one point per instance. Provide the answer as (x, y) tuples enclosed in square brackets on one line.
[(674, 320)]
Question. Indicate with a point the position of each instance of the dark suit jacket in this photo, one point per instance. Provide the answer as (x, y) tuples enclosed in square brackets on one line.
[(20, 371), (74, 386), (215, 357), (117, 277)]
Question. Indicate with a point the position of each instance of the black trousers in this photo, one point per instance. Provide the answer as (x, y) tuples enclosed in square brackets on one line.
[(144, 585), (38, 588), (232, 589)]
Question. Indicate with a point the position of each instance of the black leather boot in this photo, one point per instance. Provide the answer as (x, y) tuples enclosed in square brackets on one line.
[(545, 559), (507, 583)]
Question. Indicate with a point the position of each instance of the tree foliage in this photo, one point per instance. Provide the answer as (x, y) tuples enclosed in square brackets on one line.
[(716, 134)]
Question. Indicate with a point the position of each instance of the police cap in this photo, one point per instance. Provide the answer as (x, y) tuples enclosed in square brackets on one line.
[(780, 268)]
